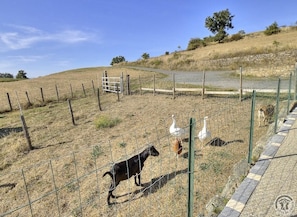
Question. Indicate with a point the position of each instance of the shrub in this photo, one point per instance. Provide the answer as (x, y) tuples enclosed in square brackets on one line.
[(157, 62), (97, 151), (272, 29), (236, 37), (208, 39), (175, 56), (195, 43), (106, 122), (122, 144)]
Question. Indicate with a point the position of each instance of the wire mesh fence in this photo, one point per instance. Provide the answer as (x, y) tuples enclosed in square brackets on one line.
[(67, 178)]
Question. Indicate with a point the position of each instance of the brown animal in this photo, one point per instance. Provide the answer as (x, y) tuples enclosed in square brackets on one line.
[(128, 168), (177, 146), (265, 114)]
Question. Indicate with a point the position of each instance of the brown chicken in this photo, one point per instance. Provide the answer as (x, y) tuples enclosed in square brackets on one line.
[(177, 146)]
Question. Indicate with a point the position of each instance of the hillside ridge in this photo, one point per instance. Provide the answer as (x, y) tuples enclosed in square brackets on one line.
[(258, 54)]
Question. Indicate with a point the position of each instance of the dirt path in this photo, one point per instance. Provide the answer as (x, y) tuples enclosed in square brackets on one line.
[(222, 79)]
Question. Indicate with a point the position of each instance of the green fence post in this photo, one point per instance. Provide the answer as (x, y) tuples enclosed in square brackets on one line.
[(289, 94), (251, 128), (240, 86), (295, 84), (277, 105), (191, 167)]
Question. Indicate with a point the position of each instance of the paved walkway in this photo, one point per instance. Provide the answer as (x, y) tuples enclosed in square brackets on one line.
[(270, 189)]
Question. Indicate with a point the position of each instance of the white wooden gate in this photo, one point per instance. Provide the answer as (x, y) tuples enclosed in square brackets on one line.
[(112, 84)]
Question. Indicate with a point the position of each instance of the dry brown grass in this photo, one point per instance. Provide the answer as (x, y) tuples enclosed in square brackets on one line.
[(258, 54), (69, 150)]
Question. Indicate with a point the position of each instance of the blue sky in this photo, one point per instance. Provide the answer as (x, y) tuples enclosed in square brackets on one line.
[(49, 36)]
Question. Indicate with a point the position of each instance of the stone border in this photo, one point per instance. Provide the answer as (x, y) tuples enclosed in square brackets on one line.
[(241, 196)]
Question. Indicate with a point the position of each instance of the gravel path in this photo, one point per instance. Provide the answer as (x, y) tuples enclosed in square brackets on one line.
[(221, 79)]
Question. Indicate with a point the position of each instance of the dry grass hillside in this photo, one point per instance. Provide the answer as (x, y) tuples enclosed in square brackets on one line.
[(258, 54)]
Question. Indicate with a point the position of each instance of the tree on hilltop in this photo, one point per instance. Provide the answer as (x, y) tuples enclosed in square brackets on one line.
[(21, 75), (219, 23), (117, 59), (145, 56), (6, 75), (272, 29)]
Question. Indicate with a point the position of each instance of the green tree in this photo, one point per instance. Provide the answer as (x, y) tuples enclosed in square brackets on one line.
[(219, 23), (6, 75), (117, 59), (145, 56), (21, 75), (272, 29)]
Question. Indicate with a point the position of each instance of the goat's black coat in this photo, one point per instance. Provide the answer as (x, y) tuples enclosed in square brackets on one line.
[(128, 168)]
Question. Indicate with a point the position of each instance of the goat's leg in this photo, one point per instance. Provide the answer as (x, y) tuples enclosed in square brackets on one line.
[(139, 182), (135, 179), (108, 198), (110, 194)]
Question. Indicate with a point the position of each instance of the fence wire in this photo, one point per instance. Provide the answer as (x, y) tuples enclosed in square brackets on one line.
[(72, 184)]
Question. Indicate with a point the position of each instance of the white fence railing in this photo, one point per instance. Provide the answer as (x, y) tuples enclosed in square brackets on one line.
[(112, 84)]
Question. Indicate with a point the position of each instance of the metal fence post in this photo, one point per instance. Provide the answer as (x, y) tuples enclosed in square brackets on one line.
[(57, 92), (277, 105), (26, 133), (122, 83), (173, 89), (240, 85), (203, 85), (295, 84), (71, 111), (289, 94), (191, 167), (9, 101), (251, 128)]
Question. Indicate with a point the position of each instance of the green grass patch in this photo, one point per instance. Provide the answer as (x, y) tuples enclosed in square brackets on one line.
[(96, 152), (106, 122)]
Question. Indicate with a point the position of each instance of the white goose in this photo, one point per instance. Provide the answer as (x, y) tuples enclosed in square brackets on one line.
[(174, 130), (204, 133)]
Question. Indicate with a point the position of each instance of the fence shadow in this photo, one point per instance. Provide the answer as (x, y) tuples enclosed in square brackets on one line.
[(6, 131), (153, 186), (186, 154), (52, 145)]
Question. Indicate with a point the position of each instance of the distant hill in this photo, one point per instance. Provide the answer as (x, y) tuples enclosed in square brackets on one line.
[(258, 54)]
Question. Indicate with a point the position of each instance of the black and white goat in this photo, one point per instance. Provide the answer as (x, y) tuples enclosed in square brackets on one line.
[(128, 168)]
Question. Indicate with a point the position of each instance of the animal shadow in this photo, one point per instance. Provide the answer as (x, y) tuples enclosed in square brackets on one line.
[(8, 185), (219, 142), (6, 131), (186, 154), (153, 186)]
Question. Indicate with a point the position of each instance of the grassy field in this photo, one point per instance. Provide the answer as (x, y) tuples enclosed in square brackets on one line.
[(138, 120), (72, 158)]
